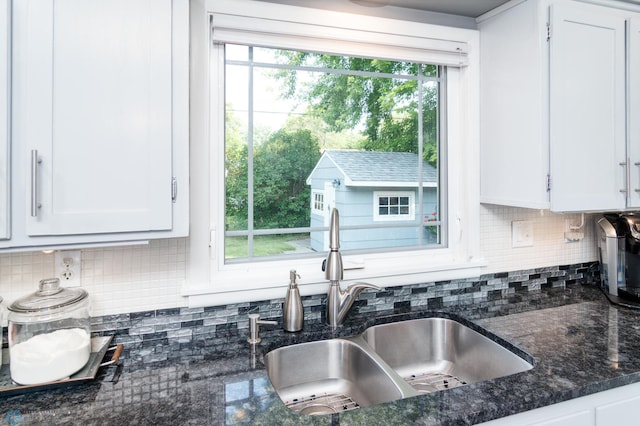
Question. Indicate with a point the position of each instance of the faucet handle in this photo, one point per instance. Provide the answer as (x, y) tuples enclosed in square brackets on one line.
[(254, 322), (362, 286)]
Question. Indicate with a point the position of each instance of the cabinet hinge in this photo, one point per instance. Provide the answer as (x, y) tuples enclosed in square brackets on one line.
[(548, 183), (174, 189), (548, 31)]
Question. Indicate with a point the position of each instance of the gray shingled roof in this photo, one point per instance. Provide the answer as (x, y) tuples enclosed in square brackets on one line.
[(370, 166)]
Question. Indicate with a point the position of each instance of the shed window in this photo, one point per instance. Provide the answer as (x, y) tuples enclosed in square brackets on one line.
[(317, 206), (394, 206)]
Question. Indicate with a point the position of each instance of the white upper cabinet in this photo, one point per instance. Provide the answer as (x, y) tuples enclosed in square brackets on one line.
[(587, 108), (5, 14), (100, 120), (514, 147), (554, 107)]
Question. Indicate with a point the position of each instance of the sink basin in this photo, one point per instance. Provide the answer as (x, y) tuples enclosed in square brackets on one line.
[(386, 363), (329, 376), (433, 354)]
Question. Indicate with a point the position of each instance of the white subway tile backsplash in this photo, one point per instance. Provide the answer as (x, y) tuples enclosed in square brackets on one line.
[(118, 279), (549, 247), (148, 277)]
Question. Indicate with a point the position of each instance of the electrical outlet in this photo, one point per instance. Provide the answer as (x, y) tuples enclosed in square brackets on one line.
[(573, 232), (68, 267)]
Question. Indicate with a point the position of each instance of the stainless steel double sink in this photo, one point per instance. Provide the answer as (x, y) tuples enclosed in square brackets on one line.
[(386, 363)]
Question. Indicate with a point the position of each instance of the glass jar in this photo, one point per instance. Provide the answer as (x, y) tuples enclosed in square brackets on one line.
[(49, 334)]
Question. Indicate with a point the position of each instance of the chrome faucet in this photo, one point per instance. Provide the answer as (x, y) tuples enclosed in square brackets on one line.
[(338, 301)]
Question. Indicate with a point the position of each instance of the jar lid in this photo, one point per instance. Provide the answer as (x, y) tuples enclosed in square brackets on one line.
[(50, 296)]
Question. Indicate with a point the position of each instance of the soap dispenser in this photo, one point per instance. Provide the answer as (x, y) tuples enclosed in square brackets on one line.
[(293, 313)]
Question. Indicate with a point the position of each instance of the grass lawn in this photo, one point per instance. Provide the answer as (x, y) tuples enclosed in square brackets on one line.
[(263, 245)]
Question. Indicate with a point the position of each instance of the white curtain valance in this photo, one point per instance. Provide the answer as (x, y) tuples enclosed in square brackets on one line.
[(282, 34)]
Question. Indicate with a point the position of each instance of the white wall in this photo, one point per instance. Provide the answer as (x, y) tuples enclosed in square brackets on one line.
[(141, 278)]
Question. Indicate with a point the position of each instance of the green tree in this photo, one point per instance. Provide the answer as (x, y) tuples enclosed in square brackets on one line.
[(282, 162), (386, 108), (327, 139), (236, 174), (281, 166)]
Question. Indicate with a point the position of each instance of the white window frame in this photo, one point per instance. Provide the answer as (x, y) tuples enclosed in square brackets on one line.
[(377, 217), (211, 281), (314, 209)]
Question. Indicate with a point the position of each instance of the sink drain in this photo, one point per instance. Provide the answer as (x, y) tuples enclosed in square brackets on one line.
[(317, 410), (433, 382), (316, 405)]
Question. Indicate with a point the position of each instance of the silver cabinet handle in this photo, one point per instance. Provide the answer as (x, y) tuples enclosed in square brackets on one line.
[(35, 161), (637, 163), (624, 164), (174, 189)]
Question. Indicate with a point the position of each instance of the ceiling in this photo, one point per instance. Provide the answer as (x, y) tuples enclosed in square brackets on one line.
[(454, 13), (470, 8)]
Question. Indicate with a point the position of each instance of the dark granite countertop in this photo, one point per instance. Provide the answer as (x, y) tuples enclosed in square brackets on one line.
[(581, 344)]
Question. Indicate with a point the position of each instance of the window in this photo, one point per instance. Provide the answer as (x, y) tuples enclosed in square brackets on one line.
[(297, 121), (393, 206), (317, 203), (258, 40)]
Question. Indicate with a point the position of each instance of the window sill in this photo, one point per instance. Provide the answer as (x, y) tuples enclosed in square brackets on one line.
[(272, 284)]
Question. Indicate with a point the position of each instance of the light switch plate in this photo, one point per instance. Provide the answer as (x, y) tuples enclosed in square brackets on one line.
[(522, 233)]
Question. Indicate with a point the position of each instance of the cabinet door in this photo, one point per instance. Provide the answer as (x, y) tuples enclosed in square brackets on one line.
[(587, 108), (619, 413), (582, 418), (93, 99), (514, 151), (634, 113), (569, 413), (4, 117)]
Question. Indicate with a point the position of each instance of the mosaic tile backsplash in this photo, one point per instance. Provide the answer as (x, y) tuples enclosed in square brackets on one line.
[(158, 335)]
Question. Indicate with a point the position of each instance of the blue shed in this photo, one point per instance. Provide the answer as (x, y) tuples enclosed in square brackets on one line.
[(351, 181)]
